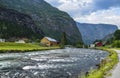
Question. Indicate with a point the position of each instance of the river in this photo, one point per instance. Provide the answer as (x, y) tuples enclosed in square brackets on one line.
[(61, 63)]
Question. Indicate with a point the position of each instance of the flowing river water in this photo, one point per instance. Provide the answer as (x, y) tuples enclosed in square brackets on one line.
[(61, 63)]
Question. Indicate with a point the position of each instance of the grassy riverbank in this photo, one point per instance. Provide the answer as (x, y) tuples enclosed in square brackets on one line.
[(106, 65), (18, 47)]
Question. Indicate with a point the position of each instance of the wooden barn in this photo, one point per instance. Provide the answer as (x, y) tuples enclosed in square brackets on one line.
[(49, 41), (98, 44)]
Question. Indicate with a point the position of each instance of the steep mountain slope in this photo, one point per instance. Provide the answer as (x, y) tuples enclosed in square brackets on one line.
[(108, 39), (17, 25), (92, 32), (52, 21)]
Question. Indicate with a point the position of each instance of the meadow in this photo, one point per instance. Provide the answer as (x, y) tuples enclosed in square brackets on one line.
[(20, 47)]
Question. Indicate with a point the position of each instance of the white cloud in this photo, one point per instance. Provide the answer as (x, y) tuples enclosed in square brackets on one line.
[(69, 7), (72, 6), (110, 16)]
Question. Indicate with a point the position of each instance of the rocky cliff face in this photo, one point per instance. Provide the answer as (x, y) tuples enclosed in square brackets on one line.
[(92, 32), (52, 21), (15, 24)]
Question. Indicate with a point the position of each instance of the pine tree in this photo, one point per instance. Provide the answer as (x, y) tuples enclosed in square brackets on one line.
[(63, 40), (117, 35)]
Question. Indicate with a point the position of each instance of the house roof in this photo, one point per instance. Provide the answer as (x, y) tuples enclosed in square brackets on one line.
[(51, 39), (97, 42)]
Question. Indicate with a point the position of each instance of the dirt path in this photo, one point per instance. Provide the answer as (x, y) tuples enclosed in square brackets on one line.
[(116, 72)]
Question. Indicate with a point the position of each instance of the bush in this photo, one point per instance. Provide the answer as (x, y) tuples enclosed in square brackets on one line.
[(79, 45), (116, 44), (117, 35)]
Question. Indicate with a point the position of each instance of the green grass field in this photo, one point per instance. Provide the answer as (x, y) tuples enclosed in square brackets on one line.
[(19, 47)]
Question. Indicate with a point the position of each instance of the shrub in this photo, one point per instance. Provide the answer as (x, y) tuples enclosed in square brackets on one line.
[(116, 44)]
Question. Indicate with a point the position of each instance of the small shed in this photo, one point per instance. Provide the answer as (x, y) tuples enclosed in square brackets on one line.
[(20, 41), (48, 41), (92, 45), (2, 40)]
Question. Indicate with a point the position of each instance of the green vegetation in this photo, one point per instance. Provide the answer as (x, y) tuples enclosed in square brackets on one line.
[(105, 65), (80, 45), (116, 39), (63, 40), (109, 41), (19, 47), (13, 30), (116, 44), (117, 35)]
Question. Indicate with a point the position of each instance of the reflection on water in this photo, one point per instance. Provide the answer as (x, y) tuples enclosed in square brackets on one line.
[(65, 63)]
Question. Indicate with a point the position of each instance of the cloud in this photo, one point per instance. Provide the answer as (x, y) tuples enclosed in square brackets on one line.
[(75, 7), (91, 11), (72, 6), (84, 6), (110, 16)]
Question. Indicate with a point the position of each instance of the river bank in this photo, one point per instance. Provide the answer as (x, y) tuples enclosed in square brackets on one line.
[(8, 47), (115, 73), (106, 65)]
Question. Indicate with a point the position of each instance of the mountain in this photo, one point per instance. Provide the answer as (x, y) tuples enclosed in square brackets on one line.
[(17, 25), (92, 32), (108, 39), (50, 20)]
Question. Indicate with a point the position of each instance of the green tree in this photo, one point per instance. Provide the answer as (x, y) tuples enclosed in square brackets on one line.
[(63, 40), (109, 41), (116, 44), (117, 35), (79, 44)]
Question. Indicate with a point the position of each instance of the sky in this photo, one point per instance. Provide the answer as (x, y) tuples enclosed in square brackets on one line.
[(90, 11)]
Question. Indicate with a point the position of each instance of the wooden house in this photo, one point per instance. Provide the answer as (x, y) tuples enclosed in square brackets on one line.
[(49, 41), (98, 44)]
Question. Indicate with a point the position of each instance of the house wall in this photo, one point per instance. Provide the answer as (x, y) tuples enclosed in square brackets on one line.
[(53, 43), (92, 45), (45, 42), (20, 41), (99, 44)]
